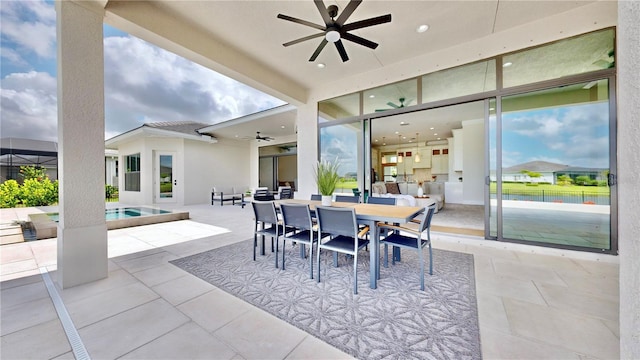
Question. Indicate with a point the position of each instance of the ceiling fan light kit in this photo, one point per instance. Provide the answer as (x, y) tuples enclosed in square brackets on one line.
[(334, 30)]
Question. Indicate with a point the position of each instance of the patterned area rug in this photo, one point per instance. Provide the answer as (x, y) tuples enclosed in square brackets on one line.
[(395, 321)]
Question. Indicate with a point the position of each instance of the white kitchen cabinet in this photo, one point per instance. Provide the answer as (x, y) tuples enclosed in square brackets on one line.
[(440, 160)]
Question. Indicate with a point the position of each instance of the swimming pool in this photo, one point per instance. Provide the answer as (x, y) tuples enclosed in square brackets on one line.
[(46, 225), (122, 213)]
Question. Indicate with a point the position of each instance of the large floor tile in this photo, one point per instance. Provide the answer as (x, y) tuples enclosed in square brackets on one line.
[(91, 309), (581, 334), (256, 335), (184, 288), (313, 348), (25, 293), (507, 287), (521, 271), (116, 279), (127, 331), (146, 262), (189, 341), (580, 303), (27, 314), (159, 274), (491, 313), (214, 309), (43, 341), (499, 345)]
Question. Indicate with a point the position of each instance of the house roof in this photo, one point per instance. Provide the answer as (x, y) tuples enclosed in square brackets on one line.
[(537, 166), (177, 129)]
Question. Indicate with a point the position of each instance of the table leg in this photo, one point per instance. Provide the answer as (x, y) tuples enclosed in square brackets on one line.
[(374, 247)]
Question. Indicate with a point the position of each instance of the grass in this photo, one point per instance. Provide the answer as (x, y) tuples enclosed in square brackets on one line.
[(525, 188)]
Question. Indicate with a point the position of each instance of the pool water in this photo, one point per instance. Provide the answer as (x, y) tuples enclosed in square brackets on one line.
[(122, 213)]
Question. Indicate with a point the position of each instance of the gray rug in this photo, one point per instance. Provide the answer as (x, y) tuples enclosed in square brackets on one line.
[(395, 321)]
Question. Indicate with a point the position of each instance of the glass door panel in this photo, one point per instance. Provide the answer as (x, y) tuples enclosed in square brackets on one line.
[(165, 191), (554, 162)]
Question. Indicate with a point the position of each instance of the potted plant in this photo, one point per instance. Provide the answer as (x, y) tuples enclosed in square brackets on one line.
[(327, 179)]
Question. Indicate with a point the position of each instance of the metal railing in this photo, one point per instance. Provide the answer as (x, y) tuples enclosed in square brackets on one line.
[(556, 196)]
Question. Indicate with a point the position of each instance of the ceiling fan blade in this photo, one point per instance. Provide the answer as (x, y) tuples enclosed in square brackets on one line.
[(344, 15), (393, 105), (323, 11), (318, 50), (302, 22), (359, 40), (341, 51), (293, 42), (367, 22)]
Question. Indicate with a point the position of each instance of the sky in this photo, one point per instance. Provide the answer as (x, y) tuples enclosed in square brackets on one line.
[(143, 83)]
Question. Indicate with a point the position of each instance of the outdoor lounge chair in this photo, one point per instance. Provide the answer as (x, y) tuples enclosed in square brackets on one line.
[(222, 195)]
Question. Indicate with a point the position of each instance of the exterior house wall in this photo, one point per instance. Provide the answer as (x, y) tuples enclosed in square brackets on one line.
[(224, 164), (148, 183)]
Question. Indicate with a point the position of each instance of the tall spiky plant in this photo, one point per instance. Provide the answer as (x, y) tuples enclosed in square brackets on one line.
[(327, 176)]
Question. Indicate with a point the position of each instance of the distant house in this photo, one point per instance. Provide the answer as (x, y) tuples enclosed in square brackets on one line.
[(16, 152), (177, 162), (549, 172)]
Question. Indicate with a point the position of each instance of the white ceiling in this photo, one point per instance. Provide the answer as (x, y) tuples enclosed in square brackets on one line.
[(251, 28)]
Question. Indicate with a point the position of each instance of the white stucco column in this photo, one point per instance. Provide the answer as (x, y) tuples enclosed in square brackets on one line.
[(82, 230), (627, 60), (307, 123)]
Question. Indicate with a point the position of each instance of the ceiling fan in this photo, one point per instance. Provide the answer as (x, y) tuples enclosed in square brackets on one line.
[(265, 138), (395, 106), (334, 30)]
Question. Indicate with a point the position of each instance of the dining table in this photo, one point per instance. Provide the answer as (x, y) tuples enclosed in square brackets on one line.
[(370, 215)]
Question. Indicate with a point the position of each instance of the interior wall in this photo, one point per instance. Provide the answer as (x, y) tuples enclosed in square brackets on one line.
[(288, 168), (473, 159)]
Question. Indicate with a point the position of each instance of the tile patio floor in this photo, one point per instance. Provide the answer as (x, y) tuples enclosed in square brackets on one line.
[(534, 303)]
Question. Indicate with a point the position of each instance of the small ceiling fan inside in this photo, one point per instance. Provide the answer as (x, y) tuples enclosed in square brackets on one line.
[(403, 102), (334, 30), (265, 138)]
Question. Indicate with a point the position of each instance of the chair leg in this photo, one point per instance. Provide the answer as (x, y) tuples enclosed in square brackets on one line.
[(318, 261), (355, 273), (421, 268), (284, 244), (276, 249), (386, 256), (335, 259), (430, 259), (255, 245), (311, 260)]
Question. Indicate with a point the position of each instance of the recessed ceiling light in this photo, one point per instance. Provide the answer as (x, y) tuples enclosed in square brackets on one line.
[(438, 138), (282, 127), (321, 65), (401, 122), (491, 109), (236, 135), (404, 138), (371, 96), (376, 140), (435, 134), (507, 64), (422, 28), (397, 132), (431, 128)]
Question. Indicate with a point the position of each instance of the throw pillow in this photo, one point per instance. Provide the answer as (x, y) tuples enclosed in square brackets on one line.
[(392, 188)]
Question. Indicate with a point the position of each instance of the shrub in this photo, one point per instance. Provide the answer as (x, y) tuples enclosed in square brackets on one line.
[(33, 172), (39, 193), (110, 191), (9, 194)]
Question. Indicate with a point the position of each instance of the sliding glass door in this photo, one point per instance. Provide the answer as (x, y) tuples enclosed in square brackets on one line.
[(551, 166)]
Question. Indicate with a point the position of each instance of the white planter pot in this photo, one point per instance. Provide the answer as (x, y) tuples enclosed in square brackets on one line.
[(326, 200), (420, 191)]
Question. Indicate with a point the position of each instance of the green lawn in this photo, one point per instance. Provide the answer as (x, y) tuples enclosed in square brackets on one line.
[(525, 188)]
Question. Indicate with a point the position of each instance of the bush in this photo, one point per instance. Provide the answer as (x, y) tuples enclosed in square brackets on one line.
[(110, 191), (39, 193), (9, 194)]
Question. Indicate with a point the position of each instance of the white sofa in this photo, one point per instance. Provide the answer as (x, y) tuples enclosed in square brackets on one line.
[(432, 190)]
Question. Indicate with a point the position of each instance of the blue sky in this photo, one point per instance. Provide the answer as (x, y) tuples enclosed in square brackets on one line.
[(143, 83)]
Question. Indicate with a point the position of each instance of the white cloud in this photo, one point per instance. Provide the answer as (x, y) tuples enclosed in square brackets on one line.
[(145, 83), (29, 108), (31, 26)]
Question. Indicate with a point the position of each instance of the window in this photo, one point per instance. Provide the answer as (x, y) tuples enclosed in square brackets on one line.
[(132, 172)]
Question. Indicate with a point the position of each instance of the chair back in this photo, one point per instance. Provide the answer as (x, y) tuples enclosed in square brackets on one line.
[(347, 198), (296, 215), (262, 194), (316, 197), (381, 200), (337, 221), (265, 212), (285, 192), (425, 218)]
